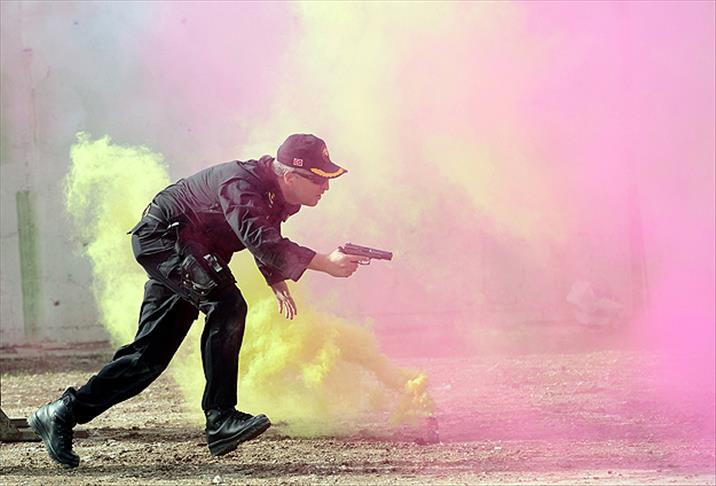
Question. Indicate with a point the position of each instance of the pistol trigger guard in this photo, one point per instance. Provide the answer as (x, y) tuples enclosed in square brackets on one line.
[(364, 263)]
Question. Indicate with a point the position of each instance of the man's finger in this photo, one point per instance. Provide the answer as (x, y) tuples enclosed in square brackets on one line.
[(284, 309)]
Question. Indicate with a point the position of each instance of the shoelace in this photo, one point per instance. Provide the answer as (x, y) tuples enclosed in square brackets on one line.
[(242, 415), (65, 435)]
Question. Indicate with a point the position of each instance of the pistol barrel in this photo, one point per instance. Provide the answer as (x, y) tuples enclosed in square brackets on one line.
[(367, 252)]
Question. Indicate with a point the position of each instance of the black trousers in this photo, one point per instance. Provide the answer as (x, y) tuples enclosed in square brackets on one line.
[(166, 314)]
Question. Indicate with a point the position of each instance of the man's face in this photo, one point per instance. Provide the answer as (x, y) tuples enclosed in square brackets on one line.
[(307, 188)]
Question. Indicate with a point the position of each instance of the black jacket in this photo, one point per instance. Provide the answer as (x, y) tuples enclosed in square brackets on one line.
[(237, 205)]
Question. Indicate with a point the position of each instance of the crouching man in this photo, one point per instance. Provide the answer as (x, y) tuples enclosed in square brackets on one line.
[(184, 241)]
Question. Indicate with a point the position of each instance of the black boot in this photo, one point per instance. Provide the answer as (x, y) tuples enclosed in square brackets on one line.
[(53, 423), (227, 428)]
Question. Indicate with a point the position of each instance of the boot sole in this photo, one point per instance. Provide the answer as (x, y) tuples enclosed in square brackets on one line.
[(39, 428), (228, 444)]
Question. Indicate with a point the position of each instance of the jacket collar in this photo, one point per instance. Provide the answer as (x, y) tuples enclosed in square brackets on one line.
[(275, 196)]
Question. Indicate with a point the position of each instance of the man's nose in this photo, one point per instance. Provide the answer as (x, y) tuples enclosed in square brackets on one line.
[(325, 185)]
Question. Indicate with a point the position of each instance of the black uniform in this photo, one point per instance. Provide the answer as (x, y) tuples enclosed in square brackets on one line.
[(184, 241)]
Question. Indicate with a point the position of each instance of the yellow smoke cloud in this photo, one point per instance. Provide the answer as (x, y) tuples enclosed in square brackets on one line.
[(317, 373), (106, 189)]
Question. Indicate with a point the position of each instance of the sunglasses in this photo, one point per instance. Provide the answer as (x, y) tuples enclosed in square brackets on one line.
[(316, 179)]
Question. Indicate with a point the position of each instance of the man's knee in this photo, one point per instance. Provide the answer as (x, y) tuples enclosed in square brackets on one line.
[(154, 368), (145, 369), (230, 300)]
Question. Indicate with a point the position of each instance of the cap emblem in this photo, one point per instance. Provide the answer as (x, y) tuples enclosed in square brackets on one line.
[(325, 154), (297, 162)]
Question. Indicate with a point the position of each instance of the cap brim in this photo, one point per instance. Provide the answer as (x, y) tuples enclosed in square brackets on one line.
[(332, 171)]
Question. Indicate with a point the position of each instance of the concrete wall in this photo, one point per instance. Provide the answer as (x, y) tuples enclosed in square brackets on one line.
[(45, 282)]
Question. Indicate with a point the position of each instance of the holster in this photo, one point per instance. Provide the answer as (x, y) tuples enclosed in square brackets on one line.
[(201, 276)]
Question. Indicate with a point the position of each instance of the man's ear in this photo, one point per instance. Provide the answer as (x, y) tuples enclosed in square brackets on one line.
[(289, 177)]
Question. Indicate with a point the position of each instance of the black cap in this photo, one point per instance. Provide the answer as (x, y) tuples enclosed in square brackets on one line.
[(305, 151)]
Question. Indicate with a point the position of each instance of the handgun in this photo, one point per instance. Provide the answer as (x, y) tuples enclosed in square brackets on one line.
[(366, 252)]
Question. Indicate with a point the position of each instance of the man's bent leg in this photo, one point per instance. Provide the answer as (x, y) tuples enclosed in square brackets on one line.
[(221, 341), (220, 345), (164, 320)]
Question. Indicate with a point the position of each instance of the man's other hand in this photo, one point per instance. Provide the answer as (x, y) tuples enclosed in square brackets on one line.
[(286, 305)]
